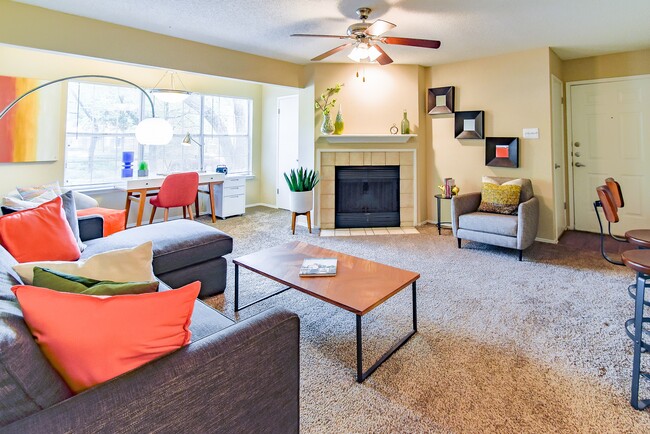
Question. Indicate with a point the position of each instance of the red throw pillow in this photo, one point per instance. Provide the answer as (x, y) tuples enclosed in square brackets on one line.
[(39, 234), (114, 219), (90, 339)]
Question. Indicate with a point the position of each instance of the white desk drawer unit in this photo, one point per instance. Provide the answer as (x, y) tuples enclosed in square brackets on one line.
[(230, 197)]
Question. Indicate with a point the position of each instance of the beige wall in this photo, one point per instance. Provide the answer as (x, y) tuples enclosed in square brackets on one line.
[(373, 106), (514, 92), (612, 65), (29, 26), (47, 66)]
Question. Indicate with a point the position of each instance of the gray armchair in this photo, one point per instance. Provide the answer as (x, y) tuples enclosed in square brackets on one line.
[(511, 231)]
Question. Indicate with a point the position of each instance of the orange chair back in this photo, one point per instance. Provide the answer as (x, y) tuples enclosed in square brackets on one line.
[(615, 189), (178, 189), (607, 202)]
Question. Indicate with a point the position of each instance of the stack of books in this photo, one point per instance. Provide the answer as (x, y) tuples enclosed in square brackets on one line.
[(315, 267)]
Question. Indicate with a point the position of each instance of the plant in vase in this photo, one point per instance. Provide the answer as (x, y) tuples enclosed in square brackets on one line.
[(324, 104), (143, 169), (338, 123), (301, 184)]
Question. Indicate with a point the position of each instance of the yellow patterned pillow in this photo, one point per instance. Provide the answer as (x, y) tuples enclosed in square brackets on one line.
[(501, 199)]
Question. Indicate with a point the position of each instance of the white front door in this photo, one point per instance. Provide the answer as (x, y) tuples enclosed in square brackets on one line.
[(559, 183), (610, 136), (287, 146)]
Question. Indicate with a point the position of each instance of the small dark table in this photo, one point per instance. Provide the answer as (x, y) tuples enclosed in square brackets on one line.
[(439, 197)]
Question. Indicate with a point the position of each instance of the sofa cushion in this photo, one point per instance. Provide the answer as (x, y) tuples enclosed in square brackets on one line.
[(500, 224), (58, 281), (28, 383), (177, 244), (39, 234), (8, 277), (132, 330), (124, 265)]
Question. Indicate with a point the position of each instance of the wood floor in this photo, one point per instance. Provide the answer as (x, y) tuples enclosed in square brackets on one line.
[(590, 241)]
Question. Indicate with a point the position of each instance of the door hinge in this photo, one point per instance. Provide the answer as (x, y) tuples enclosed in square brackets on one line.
[(278, 111), (277, 191), (564, 205), (561, 100)]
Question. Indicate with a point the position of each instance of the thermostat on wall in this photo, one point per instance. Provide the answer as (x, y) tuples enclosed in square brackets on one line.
[(531, 133)]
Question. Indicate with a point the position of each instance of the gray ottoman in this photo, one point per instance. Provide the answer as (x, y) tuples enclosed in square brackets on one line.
[(183, 251)]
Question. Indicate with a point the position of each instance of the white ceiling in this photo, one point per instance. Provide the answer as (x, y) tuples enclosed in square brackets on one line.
[(467, 28)]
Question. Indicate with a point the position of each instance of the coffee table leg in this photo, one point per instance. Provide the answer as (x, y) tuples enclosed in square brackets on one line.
[(361, 376), (236, 287)]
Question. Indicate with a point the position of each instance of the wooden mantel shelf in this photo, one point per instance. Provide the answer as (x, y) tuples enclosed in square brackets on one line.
[(368, 138)]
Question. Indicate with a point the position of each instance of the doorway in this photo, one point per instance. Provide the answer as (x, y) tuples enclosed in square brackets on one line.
[(608, 137), (287, 150)]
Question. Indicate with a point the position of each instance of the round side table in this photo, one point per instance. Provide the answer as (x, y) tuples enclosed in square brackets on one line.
[(439, 198)]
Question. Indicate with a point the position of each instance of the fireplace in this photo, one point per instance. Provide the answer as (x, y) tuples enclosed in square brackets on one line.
[(367, 196)]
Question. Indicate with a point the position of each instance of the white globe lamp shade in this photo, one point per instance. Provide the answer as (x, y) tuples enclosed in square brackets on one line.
[(154, 131)]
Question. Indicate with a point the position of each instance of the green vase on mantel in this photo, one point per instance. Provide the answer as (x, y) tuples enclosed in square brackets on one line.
[(406, 128), (338, 123)]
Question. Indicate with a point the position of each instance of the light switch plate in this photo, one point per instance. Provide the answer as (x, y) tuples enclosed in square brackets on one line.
[(531, 133)]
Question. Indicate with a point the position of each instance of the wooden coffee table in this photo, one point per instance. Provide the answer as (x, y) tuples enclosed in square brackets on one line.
[(359, 285)]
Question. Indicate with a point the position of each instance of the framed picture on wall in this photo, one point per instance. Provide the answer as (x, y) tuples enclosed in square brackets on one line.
[(502, 151), (469, 125), (440, 100)]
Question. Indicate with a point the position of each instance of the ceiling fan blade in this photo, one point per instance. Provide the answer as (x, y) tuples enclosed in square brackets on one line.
[(320, 36), (424, 43), (330, 52), (384, 59), (379, 27)]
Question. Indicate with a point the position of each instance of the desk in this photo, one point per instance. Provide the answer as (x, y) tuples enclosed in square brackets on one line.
[(439, 198), (137, 190)]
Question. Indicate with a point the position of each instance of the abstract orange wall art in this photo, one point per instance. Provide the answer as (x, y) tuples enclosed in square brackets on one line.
[(29, 131)]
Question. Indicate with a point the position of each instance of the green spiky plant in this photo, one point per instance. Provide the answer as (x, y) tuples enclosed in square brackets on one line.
[(143, 165), (302, 179)]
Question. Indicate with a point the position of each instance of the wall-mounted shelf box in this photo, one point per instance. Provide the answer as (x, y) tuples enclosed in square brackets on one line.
[(369, 138)]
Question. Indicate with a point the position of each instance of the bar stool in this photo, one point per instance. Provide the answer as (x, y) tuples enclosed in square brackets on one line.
[(639, 261)]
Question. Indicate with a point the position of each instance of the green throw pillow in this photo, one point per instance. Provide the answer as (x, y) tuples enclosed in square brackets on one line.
[(500, 199), (46, 278)]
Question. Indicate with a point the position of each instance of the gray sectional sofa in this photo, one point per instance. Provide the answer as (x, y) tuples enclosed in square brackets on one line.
[(232, 377)]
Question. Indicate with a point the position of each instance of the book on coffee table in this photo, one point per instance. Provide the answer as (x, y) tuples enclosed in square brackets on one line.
[(315, 267)]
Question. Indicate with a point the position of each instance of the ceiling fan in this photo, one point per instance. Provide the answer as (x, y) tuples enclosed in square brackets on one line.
[(365, 39)]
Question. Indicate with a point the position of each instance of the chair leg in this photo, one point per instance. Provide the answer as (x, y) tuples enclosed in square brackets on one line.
[(189, 211), (459, 241), (309, 220), (166, 214), (293, 223), (184, 212), (521, 255), (153, 212)]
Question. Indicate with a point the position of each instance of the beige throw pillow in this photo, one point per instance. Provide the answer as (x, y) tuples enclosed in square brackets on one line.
[(122, 265)]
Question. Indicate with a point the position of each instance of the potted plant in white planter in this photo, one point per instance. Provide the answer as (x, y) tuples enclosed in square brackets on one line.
[(301, 184)]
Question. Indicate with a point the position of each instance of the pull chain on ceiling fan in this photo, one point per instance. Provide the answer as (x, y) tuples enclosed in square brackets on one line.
[(365, 39)]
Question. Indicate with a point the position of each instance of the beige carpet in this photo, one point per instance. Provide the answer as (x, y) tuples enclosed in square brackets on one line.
[(503, 346)]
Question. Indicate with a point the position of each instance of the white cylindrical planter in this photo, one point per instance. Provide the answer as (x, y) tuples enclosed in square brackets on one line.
[(302, 201)]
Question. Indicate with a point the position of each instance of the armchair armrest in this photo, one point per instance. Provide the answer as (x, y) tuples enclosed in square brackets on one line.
[(527, 222), (244, 378), (463, 204), (91, 227)]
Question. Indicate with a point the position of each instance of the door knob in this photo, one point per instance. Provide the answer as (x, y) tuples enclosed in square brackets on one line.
[(557, 166), (579, 165), (576, 144)]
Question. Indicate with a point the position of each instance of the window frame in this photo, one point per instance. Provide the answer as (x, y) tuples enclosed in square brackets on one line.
[(145, 111)]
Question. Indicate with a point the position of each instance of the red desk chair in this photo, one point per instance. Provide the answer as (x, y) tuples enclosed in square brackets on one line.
[(177, 190)]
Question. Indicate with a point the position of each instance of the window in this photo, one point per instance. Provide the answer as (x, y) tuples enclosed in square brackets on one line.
[(101, 121)]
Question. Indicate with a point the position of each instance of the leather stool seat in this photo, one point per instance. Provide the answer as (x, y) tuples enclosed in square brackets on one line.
[(638, 260), (639, 237)]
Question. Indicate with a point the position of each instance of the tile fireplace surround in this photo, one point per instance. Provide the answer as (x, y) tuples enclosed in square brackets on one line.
[(405, 159)]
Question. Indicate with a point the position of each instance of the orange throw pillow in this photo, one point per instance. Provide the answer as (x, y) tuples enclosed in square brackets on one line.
[(114, 219), (39, 234), (90, 339)]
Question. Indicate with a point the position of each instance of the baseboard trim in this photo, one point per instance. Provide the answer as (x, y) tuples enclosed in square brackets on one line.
[(546, 240), (268, 205)]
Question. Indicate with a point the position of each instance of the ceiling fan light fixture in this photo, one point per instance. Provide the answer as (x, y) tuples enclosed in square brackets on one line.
[(355, 55), (373, 53)]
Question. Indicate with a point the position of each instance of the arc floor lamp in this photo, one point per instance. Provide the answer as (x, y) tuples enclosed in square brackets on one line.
[(150, 131)]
